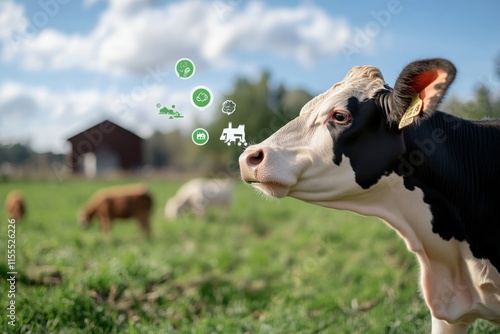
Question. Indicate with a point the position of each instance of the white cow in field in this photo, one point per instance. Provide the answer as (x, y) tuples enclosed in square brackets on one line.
[(197, 195)]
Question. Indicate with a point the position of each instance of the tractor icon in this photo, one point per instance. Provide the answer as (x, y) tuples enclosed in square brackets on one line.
[(232, 135)]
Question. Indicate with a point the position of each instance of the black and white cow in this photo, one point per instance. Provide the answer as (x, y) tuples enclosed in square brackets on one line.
[(434, 178)]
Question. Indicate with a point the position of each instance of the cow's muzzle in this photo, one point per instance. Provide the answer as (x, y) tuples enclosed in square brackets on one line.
[(249, 163)]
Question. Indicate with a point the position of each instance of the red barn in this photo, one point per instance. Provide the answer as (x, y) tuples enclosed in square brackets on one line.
[(103, 148)]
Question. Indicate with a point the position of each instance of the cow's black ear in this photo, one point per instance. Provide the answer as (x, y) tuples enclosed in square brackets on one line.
[(419, 89)]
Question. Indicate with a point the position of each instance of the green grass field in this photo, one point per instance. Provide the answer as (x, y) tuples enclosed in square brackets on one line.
[(264, 267)]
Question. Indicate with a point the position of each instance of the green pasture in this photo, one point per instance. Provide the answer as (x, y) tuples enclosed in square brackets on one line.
[(266, 266)]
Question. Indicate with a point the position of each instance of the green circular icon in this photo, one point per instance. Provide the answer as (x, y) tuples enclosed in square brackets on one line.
[(200, 136), (184, 68), (201, 97)]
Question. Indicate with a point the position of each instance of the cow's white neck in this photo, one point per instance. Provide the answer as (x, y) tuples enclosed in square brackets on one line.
[(455, 285), (404, 210)]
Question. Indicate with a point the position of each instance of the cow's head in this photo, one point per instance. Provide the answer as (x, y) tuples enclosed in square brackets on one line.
[(175, 207), (85, 218), (347, 138), (172, 209)]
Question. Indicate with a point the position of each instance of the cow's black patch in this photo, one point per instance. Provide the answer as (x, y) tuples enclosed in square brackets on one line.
[(454, 161), (460, 178), (371, 148)]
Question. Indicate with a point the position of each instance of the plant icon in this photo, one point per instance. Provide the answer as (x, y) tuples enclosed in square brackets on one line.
[(184, 68)]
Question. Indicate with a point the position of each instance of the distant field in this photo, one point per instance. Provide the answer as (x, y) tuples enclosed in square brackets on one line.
[(264, 267)]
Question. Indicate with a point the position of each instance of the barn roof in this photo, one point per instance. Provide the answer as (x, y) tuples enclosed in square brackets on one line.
[(104, 123)]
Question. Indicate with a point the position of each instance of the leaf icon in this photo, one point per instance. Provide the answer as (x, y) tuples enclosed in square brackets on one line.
[(202, 97)]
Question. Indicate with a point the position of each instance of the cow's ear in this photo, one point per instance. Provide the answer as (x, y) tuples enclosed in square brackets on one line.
[(419, 89)]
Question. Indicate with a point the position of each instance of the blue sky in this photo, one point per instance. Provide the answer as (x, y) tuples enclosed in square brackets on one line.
[(67, 64)]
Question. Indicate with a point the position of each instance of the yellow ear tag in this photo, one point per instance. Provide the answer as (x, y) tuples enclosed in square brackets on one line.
[(412, 111)]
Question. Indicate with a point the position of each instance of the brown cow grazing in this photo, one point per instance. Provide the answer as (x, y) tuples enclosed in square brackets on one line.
[(15, 206), (108, 204)]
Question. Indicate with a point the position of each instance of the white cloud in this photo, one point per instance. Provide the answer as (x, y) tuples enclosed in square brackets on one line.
[(132, 34), (11, 15), (305, 33), (29, 112)]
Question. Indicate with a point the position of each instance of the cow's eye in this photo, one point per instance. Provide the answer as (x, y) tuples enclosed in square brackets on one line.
[(341, 117)]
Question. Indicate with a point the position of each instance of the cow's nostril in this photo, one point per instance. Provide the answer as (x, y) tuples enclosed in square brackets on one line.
[(256, 158)]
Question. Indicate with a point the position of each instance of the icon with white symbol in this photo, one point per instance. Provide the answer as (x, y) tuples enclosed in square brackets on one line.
[(184, 68), (228, 107), (200, 136), (201, 97), (232, 135)]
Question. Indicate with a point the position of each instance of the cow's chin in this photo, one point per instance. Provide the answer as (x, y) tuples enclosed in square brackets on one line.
[(272, 189)]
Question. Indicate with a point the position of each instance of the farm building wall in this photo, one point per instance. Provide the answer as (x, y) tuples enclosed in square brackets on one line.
[(104, 147)]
